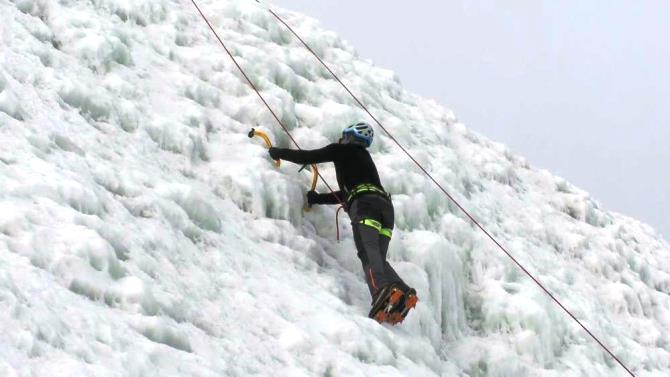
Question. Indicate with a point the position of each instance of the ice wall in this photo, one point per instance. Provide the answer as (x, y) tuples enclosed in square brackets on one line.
[(142, 233)]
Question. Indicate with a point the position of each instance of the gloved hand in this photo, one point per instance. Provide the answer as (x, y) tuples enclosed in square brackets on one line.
[(312, 197), (274, 153)]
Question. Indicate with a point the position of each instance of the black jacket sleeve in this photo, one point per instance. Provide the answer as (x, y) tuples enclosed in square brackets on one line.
[(330, 198), (326, 154)]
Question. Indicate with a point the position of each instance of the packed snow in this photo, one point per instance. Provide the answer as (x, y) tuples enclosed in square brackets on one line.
[(142, 233)]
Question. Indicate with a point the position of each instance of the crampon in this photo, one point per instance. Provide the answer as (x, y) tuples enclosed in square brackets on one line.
[(396, 306)]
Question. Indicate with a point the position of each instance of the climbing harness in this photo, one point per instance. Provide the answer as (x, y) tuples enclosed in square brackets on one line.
[(266, 138), (465, 212), (374, 224), (353, 194), (365, 188)]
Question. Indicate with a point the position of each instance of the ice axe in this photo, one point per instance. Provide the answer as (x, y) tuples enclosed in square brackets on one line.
[(315, 178), (266, 138), (268, 143)]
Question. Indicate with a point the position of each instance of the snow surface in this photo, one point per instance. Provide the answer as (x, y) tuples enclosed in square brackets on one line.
[(143, 234)]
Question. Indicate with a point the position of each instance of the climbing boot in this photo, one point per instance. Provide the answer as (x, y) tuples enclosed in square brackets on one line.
[(385, 301), (405, 304)]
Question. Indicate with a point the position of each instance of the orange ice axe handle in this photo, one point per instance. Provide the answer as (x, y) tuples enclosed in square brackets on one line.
[(315, 178), (265, 138)]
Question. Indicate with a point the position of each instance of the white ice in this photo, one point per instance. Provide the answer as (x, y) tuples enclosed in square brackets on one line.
[(143, 234)]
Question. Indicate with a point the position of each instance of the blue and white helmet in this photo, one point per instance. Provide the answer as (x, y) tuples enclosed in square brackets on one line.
[(361, 131)]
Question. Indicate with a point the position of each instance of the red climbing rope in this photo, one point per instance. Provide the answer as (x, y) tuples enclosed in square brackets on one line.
[(448, 195), (474, 221), (259, 93)]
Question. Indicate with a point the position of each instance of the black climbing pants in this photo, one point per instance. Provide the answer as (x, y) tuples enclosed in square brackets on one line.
[(372, 224)]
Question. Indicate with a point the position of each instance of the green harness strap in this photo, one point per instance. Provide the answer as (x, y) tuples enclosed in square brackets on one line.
[(368, 187), (386, 232), (365, 187)]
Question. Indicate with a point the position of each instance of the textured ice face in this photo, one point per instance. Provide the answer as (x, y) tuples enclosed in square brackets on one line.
[(142, 232)]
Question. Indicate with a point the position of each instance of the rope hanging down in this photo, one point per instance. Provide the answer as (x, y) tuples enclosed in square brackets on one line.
[(447, 193), (474, 221)]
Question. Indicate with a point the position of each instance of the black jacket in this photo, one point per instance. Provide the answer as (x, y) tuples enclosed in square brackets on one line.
[(353, 166)]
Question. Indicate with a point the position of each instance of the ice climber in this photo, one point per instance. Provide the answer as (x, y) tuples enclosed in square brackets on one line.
[(370, 210)]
